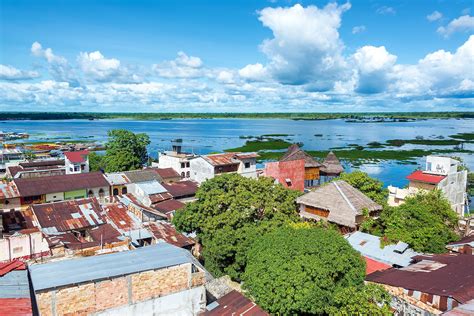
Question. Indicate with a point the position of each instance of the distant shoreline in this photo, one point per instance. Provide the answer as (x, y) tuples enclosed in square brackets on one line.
[(351, 117)]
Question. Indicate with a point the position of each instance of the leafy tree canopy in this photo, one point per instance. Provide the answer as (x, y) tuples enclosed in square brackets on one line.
[(125, 150), (96, 162), (425, 221), (230, 212), (368, 300), (371, 187), (300, 269)]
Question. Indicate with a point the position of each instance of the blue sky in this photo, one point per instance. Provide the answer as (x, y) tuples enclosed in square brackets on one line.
[(238, 56)]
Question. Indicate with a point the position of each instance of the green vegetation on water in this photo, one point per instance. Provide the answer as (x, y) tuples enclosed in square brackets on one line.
[(432, 142), (294, 116), (464, 136), (258, 145)]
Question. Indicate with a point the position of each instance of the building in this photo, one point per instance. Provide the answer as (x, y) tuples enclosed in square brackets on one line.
[(141, 211), (168, 175), (63, 187), (234, 303), (464, 245), (291, 174), (150, 192), (184, 191), (9, 196), (177, 160), (340, 203), (311, 166), (169, 207), (466, 309), (331, 168), (118, 183), (160, 278), (38, 168), (15, 299), (9, 157), (440, 173), (431, 285), (142, 175), (165, 232), (76, 161), (208, 166), (77, 227), (396, 255)]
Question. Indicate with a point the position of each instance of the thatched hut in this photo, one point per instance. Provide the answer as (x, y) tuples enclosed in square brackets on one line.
[(331, 168)]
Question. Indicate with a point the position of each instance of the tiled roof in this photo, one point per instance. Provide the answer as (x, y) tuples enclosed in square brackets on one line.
[(61, 183), (77, 156), (68, 215), (234, 303), (449, 275), (421, 176), (343, 201), (181, 188)]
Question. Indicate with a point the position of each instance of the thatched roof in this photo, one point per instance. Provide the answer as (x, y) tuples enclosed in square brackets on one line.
[(331, 164), (343, 201), (294, 152)]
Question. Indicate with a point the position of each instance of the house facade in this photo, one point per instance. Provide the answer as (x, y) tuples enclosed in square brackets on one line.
[(76, 161)]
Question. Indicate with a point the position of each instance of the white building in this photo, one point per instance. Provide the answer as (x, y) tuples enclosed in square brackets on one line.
[(176, 159), (440, 173), (76, 161), (206, 167)]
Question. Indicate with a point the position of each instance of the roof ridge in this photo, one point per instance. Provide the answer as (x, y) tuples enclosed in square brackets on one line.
[(344, 197)]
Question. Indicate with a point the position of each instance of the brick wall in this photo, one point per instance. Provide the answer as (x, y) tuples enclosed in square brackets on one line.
[(282, 170), (102, 295)]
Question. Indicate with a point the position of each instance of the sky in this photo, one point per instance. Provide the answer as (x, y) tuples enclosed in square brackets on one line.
[(236, 56)]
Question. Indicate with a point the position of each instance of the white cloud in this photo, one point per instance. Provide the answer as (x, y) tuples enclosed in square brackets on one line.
[(373, 65), (11, 73), (305, 48), (225, 76), (464, 23), (254, 72), (358, 29), (384, 10), (183, 66), (96, 67), (58, 66), (434, 16)]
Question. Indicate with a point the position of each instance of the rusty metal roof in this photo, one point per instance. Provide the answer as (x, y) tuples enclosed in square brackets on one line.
[(234, 303), (61, 183), (145, 175), (119, 215), (159, 197), (166, 173), (449, 275), (166, 232), (168, 206), (68, 215), (181, 188), (222, 159), (42, 163), (8, 190)]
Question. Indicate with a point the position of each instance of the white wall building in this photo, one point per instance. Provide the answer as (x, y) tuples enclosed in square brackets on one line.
[(76, 161), (440, 173), (206, 167)]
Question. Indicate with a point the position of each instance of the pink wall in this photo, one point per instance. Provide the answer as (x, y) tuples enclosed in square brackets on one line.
[(282, 170), (23, 246)]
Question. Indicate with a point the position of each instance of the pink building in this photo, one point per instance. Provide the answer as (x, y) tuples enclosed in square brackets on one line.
[(290, 174)]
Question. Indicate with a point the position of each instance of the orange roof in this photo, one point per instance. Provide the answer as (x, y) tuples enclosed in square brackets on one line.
[(421, 176), (372, 265)]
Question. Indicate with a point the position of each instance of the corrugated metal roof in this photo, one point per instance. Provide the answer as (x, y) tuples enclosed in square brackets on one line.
[(181, 188), (145, 175), (15, 307), (234, 303), (166, 232), (370, 246), (116, 178), (42, 163), (151, 187), (168, 206), (421, 176), (166, 173), (14, 285), (222, 159), (77, 271), (77, 156), (69, 215), (61, 183)]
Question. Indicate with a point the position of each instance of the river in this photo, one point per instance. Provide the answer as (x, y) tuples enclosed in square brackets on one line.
[(211, 135)]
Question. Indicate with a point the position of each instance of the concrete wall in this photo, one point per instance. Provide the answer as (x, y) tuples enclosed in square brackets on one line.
[(250, 172), (9, 204), (169, 161), (75, 194), (454, 187), (55, 197), (189, 302), (142, 292), (201, 170), (23, 246), (283, 170), (441, 165)]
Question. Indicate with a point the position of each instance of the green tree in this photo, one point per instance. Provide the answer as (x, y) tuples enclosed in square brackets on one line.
[(29, 155), (96, 162), (425, 221), (299, 269), (371, 187), (125, 150), (231, 211), (370, 300)]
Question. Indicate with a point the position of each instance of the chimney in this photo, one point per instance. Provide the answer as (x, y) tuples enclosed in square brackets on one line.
[(177, 145)]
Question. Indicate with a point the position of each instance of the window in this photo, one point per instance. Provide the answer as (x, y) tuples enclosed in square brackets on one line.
[(188, 174), (77, 168), (187, 164), (101, 193), (182, 174), (116, 191), (247, 165), (183, 165), (83, 167), (124, 190), (17, 249), (90, 193), (428, 166)]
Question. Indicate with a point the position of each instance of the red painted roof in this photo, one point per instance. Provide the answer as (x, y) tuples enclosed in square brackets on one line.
[(11, 266), (77, 156), (15, 307), (420, 176), (374, 265)]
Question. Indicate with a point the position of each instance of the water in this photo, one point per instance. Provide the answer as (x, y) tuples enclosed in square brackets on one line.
[(211, 135)]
